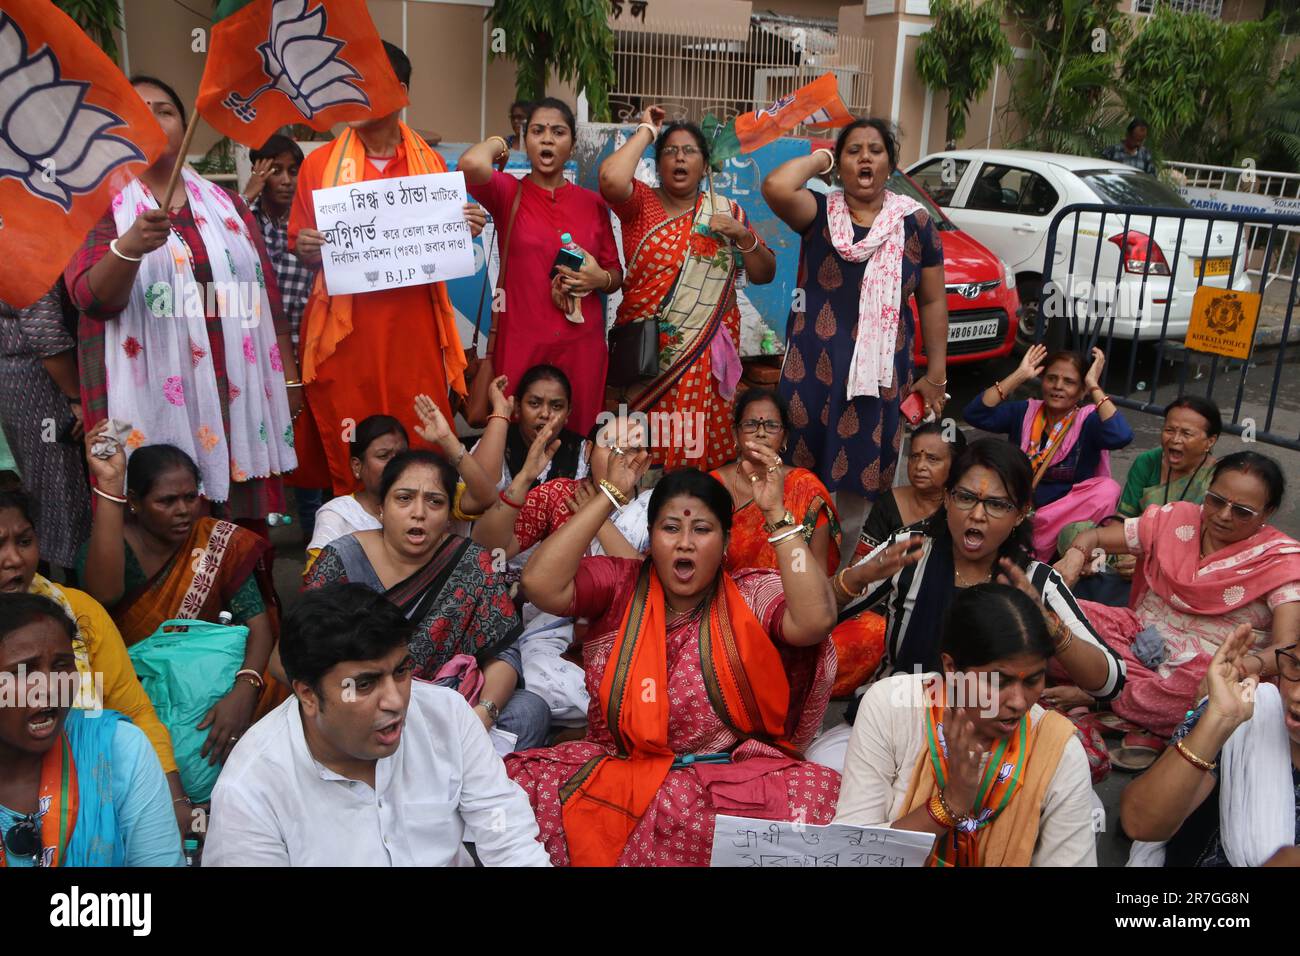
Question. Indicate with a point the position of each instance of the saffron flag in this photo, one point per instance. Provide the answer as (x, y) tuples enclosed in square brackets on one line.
[(816, 105), (273, 63), (72, 133)]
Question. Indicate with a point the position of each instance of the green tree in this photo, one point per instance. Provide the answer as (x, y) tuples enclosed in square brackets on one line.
[(1064, 91), (99, 19), (570, 38), (960, 54), (1210, 90)]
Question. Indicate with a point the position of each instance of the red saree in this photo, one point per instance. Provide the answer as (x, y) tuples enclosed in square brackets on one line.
[(686, 281), (810, 503), (658, 694)]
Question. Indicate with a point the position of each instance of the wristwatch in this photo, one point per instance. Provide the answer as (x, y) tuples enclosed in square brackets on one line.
[(493, 712), (787, 521)]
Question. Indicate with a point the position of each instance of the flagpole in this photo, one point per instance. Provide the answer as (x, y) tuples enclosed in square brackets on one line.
[(190, 127)]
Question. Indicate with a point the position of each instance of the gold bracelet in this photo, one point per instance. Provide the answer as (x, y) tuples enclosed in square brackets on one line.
[(957, 818), (839, 579), (935, 807), (609, 281), (1200, 763), (613, 489), (505, 147)]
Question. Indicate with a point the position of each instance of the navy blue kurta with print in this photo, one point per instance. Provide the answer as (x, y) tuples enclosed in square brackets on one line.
[(1084, 459), (850, 445)]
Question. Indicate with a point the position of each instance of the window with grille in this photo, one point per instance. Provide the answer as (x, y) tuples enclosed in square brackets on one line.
[(1211, 8)]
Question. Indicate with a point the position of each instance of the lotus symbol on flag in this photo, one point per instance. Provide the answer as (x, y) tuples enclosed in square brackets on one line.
[(51, 140), (302, 63)]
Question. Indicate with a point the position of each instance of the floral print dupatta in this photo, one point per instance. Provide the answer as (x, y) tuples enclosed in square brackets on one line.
[(684, 277), (158, 358)]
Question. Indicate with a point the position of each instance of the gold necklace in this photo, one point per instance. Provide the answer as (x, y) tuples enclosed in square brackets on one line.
[(962, 583)]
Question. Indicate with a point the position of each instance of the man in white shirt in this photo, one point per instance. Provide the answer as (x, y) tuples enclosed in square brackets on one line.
[(363, 766)]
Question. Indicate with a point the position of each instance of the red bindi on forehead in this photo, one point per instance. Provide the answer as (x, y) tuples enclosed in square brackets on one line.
[(687, 512)]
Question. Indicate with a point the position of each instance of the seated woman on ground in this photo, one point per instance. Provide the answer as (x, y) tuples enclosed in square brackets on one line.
[(967, 754), (981, 534), (681, 622), (98, 645), (153, 557), (447, 584), (1205, 570), (1228, 793), (518, 528), (544, 396), (376, 440), (1067, 443), (121, 812), (762, 425), (1178, 470), (934, 448)]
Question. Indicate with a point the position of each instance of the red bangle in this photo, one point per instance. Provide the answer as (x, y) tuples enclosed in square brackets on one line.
[(506, 500), (504, 418), (1001, 394)]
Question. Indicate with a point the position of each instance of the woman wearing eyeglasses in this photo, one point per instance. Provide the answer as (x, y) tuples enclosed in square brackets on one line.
[(76, 788), (1178, 469), (685, 250), (1228, 792), (981, 534), (1205, 570)]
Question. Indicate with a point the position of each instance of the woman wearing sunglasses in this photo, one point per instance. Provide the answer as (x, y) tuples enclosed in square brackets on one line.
[(685, 249), (1205, 570), (76, 788), (1227, 792), (981, 534)]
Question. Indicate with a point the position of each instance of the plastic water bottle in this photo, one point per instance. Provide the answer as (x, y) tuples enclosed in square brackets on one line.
[(191, 852), (225, 618)]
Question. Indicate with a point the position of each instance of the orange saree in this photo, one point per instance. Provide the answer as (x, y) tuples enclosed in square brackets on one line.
[(748, 688)]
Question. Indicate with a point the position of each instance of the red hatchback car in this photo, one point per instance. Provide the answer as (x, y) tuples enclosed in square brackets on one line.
[(983, 305)]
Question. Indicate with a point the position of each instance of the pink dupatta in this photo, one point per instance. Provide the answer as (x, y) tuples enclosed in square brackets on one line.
[(1169, 537), (1092, 499)]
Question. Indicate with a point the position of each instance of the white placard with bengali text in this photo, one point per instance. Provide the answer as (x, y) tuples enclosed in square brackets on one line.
[(389, 233), (747, 842)]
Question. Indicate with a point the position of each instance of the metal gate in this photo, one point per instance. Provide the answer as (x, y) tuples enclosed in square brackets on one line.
[(1123, 278)]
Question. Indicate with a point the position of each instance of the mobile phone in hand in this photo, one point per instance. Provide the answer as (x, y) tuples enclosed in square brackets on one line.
[(913, 408)]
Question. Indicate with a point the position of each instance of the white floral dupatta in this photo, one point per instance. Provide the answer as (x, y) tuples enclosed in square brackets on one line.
[(159, 360), (880, 297)]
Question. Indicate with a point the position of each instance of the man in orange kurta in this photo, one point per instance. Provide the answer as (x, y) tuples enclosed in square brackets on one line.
[(375, 352)]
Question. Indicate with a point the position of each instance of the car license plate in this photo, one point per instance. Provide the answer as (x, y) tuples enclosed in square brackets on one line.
[(1213, 267), (969, 331)]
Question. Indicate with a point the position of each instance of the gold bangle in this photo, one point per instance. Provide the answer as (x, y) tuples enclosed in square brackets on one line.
[(948, 811), (839, 579), (1200, 763), (609, 281), (613, 489)]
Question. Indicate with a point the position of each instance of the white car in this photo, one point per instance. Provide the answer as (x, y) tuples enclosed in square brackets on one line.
[(1007, 198)]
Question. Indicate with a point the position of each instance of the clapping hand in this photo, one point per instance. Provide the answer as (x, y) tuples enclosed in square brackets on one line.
[(500, 403), (257, 179), (1232, 697), (761, 467), (543, 449), (433, 426), (725, 225), (965, 757), (654, 116), (888, 562), (1093, 379), (1031, 364), (626, 467)]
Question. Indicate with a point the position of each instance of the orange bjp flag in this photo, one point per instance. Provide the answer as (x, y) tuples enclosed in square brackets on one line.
[(72, 133), (816, 105), (273, 63)]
